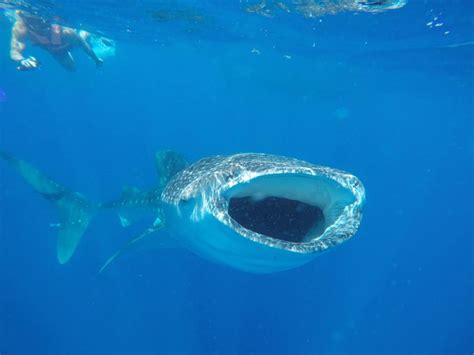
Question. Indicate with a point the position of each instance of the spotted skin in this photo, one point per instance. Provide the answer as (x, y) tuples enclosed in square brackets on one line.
[(206, 180)]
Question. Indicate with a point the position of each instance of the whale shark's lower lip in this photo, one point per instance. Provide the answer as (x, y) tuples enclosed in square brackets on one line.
[(297, 212)]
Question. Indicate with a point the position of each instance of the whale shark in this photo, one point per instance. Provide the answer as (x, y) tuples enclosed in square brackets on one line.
[(255, 212)]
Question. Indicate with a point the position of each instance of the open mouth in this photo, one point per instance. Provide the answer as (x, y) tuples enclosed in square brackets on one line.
[(289, 207)]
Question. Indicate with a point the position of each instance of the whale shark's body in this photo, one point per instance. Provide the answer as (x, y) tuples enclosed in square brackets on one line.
[(255, 212)]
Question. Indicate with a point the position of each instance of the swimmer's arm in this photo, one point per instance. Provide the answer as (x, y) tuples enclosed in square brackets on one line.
[(85, 46), (17, 44)]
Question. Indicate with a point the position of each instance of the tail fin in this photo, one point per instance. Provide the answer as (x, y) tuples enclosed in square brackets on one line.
[(75, 212)]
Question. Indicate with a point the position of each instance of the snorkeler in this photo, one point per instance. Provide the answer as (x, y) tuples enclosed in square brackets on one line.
[(57, 40)]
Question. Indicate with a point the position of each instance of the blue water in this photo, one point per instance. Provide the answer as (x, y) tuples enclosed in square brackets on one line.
[(384, 96)]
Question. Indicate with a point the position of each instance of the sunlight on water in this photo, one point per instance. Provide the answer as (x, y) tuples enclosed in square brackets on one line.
[(317, 8), (204, 19)]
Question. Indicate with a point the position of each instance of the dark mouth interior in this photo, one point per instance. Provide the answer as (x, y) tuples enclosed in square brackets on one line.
[(277, 217)]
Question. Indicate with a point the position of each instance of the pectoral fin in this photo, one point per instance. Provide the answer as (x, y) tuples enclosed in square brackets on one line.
[(157, 225)]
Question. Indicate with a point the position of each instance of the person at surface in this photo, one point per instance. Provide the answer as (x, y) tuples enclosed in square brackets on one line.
[(57, 40)]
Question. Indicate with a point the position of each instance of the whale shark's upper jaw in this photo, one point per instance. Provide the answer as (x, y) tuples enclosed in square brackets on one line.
[(276, 201)]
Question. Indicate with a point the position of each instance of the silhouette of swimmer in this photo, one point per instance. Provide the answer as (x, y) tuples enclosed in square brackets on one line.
[(57, 40)]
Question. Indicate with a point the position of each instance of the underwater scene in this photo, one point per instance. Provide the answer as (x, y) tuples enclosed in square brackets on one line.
[(236, 177)]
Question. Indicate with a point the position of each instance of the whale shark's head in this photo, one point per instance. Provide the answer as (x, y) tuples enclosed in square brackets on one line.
[(263, 213)]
